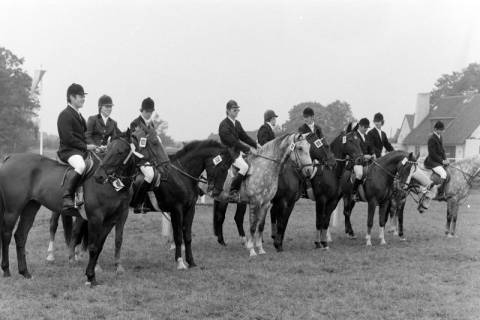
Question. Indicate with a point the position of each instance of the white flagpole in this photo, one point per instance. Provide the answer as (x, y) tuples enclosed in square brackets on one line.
[(40, 89)]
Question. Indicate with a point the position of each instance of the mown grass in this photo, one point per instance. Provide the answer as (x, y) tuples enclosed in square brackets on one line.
[(426, 277)]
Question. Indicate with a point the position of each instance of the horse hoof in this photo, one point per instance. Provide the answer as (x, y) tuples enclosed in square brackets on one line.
[(395, 233), (351, 236), (222, 242), (383, 242), (181, 265), (317, 245), (26, 274), (261, 251), (192, 264), (253, 253), (7, 274), (369, 243), (98, 268), (403, 239), (279, 248), (91, 284), (329, 238), (50, 257), (325, 248), (120, 270)]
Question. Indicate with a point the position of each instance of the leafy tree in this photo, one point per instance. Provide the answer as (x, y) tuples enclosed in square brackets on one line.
[(17, 104), (332, 119), (458, 83)]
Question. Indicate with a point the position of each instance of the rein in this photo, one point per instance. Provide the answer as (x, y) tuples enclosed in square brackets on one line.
[(185, 173), (466, 174)]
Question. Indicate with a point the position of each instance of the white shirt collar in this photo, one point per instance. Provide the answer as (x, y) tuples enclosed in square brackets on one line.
[(233, 121), (105, 119), (379, 132), (436, 134), (361, 135), (147, 122), (312, 126), (77, 111), (270, 125)]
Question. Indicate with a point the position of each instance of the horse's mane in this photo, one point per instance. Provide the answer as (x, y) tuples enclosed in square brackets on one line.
[(273, 144), (194, 145), (390, 155)]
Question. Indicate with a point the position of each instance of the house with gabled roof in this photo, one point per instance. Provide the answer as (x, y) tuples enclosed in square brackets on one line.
[(461, 117)]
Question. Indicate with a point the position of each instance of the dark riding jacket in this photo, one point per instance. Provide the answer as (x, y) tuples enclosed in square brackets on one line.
[(365, 145), (436, 152), (98, 132), (306, 129), (265, 134), (378, 143), (233, 135), (71, 128)]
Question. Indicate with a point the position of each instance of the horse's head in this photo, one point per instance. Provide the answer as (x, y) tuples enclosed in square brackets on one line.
[(405, 169), (217, 165), (299, 150), (148, 144), (120, 154), (320, 150), (347, 146)]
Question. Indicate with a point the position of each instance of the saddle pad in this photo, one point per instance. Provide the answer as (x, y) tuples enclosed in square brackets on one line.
[(88, 165)]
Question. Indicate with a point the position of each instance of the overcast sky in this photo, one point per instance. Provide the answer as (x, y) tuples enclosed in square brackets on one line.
[(192, 56)]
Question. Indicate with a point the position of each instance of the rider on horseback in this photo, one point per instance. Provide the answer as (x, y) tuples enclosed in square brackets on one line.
[(232, 135), (309, 126), (266, 133), (101, 127), (368, 153), (377, 137), (73, 147), (145, 120), (437, 159)]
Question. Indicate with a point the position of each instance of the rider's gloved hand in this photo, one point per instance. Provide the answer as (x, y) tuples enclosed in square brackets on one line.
[(446, 162), (253, 151), (91, 147)]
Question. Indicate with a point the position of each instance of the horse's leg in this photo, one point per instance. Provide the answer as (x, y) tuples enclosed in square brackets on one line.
[(177, 225), (98, 231), (80, 226), (9, 221), (273, 223), (261, 225), (187, 235), (53, 229), (219, 211), (449, 217), (320, 212), (278, 212), (325, 222), (24, 225), (399, 214), (119, 226), (372, 204), (453, 213), (253, 228), (348, 205), (239, 217), (382, 220)]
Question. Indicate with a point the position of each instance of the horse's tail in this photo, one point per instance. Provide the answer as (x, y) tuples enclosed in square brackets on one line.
[(67, 222), (84, 235)]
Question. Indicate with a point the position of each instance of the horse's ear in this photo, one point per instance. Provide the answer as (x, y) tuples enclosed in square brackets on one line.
[(413, 157), (128, 135), (349, 127)]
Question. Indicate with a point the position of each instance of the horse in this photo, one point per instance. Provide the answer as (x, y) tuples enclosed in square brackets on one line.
[(378, 187), (463, 174), (28, 181), (261, 183), (290, 185)]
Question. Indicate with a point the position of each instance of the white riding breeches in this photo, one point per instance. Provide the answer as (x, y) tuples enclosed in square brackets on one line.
[(241, 165), (77, 162), (358, 170), (148, 173), (441, 172), (422, 178)]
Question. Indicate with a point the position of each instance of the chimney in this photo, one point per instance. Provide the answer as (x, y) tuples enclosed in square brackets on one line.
[(422, 109)]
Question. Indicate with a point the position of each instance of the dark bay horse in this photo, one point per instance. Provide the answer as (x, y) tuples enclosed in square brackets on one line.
[(379, 187), (28, 181), (261, 183)]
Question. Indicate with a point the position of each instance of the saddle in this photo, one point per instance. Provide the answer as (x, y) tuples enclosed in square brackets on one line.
[(78, 199)]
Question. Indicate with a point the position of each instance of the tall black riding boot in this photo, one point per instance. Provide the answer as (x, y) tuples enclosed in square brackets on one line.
[(70, 184), (139, 197), (441, 191), (235, 187)]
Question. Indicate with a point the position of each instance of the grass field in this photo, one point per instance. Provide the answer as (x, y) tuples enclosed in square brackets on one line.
[(426, 277)]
